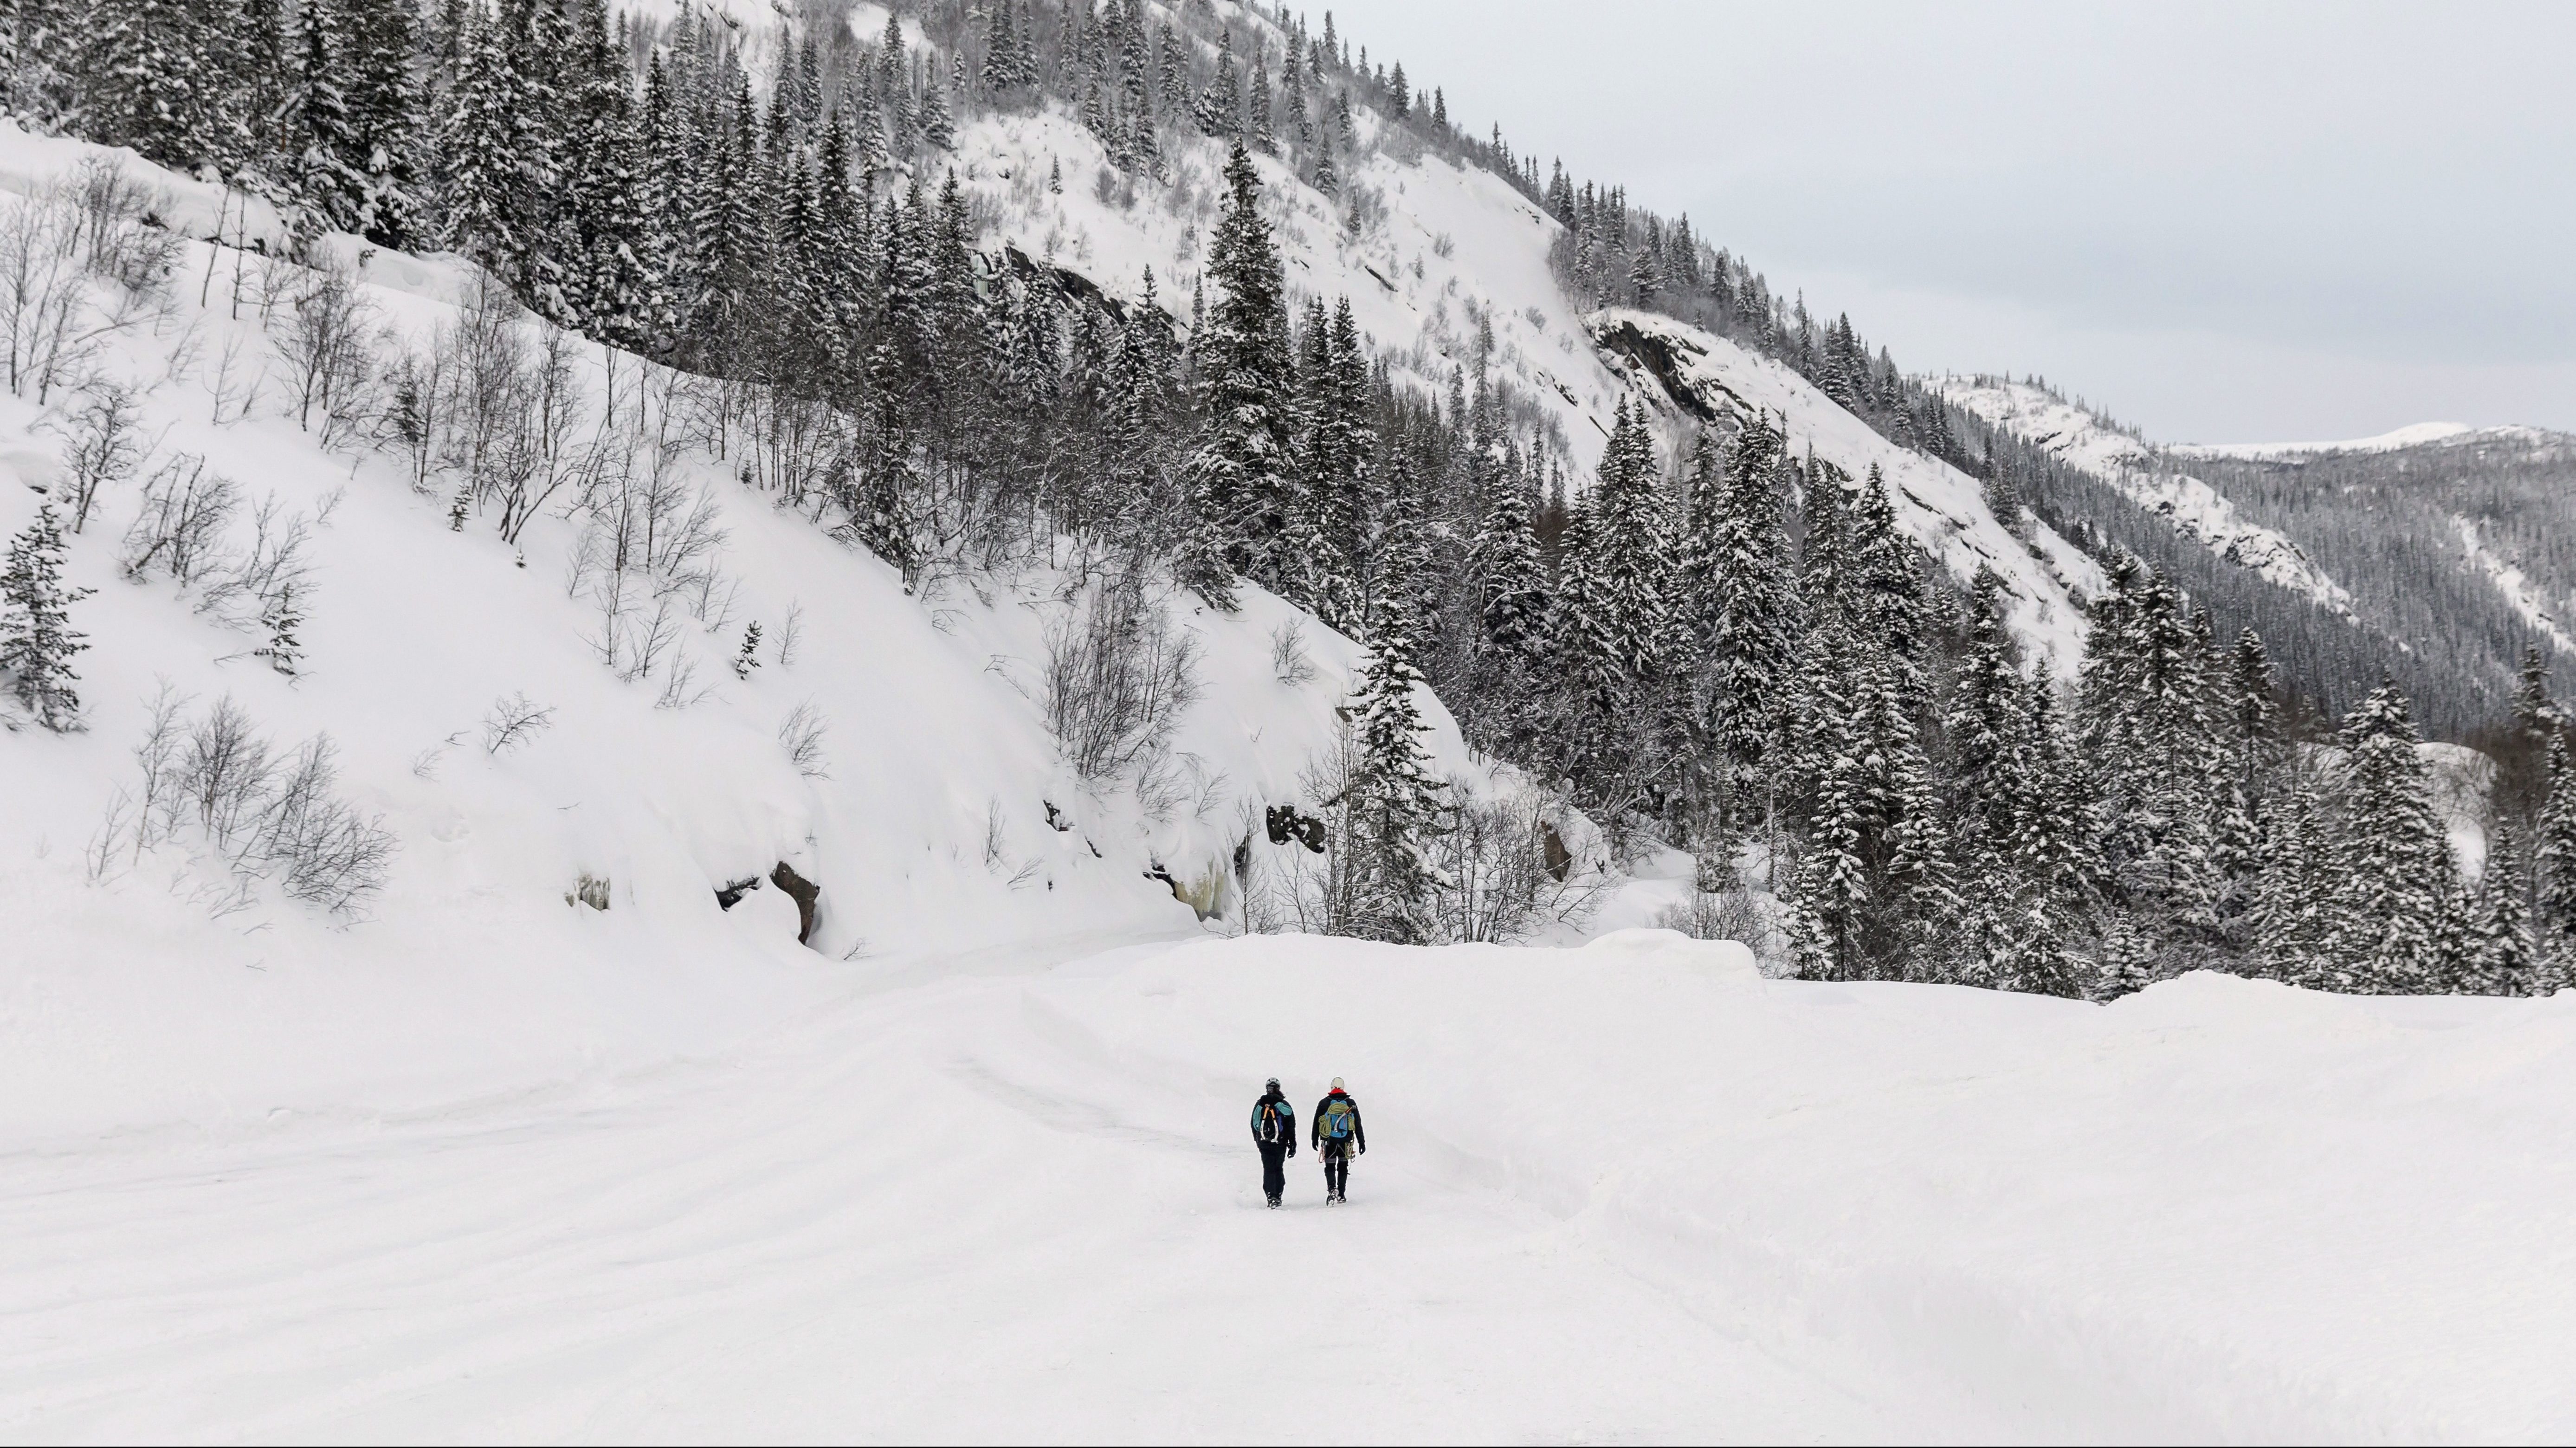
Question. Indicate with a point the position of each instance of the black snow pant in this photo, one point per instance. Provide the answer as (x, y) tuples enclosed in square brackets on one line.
[(1337, 1168), (1274, 1173)]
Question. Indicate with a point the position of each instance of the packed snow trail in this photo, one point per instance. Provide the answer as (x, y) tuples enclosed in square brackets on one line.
[(940, 1212), (1625, 1192)]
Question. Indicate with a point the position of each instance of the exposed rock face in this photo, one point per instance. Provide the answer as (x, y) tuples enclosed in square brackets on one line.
[(590, 890), (1286, 822), (1560, 860), (1654, 352), (807, 895)]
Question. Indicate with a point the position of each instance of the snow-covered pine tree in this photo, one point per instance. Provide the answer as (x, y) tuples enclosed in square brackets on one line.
[(2145, 721), (2291, 906), (2555, 921), (2050, 858), (1395, 801), (1749, 613), (2395, 878), (385, 115), (331, 159), (2535, 713), (1616, 638), (1989, 747), (1512, 611), (1219, 110), (2508, 957), (484, 152), (2128, 958), (153, 79), (1243, 465), (37, 641), (607, 285), (1345, 446)]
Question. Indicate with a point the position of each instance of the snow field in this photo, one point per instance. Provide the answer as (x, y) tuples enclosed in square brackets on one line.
[(1630, 1190)]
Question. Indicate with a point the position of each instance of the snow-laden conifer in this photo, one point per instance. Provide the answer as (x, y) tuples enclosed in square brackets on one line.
[(37, 641), (2394, 876)]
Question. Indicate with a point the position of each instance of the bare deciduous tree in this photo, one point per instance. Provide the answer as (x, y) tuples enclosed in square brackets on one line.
[(1118, 677)]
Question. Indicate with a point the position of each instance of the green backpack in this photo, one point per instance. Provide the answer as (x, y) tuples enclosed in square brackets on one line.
[(1336, 1121)]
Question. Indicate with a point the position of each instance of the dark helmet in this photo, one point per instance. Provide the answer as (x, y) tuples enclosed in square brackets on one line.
[(1272, 1083)]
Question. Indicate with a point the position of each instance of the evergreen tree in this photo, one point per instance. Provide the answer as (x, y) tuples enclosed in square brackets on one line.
[(37, 641), (1514, 605), (2508, 957), (384, 108), (1243, 466), (331, 169), (2394, 874), (2535, 713), (1615, 636), (1394, 800), (153, 79), (2291, 906), (1738, 571), (2555, 922), (2050, 861), (485, 151), (1989, 748)]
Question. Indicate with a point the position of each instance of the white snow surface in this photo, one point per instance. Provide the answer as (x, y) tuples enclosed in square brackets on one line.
[(2412, 435), (1941, 508), (1630, 1191), (2195, 509)]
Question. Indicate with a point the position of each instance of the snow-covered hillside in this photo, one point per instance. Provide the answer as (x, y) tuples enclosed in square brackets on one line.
[(1687, 372), (2195, 509), (1451, 257), (1450, 250), (1630, 1191), (2395, 440), (892, 750)]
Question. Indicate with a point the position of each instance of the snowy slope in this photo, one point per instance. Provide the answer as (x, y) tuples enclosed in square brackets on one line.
[(1941, 508), (1627, 1192), (941, 816), (1440, 247), (2396, 440), (2194, 508), (2528, 599)]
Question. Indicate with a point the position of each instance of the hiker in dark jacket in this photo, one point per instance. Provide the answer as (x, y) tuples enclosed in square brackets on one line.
[(1337, 1138), (1274, 1130)]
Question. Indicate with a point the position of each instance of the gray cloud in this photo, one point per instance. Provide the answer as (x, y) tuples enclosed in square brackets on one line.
[(2287, 218)]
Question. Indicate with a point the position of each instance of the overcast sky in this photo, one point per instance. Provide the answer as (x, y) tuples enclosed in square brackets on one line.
[(2223, 222)]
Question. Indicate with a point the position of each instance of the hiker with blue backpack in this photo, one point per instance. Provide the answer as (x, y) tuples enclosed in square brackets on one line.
[(1274, 1130), (1338, 1138)]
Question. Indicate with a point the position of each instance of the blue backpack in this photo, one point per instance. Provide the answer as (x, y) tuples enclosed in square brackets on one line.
[(1272, 1120)]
